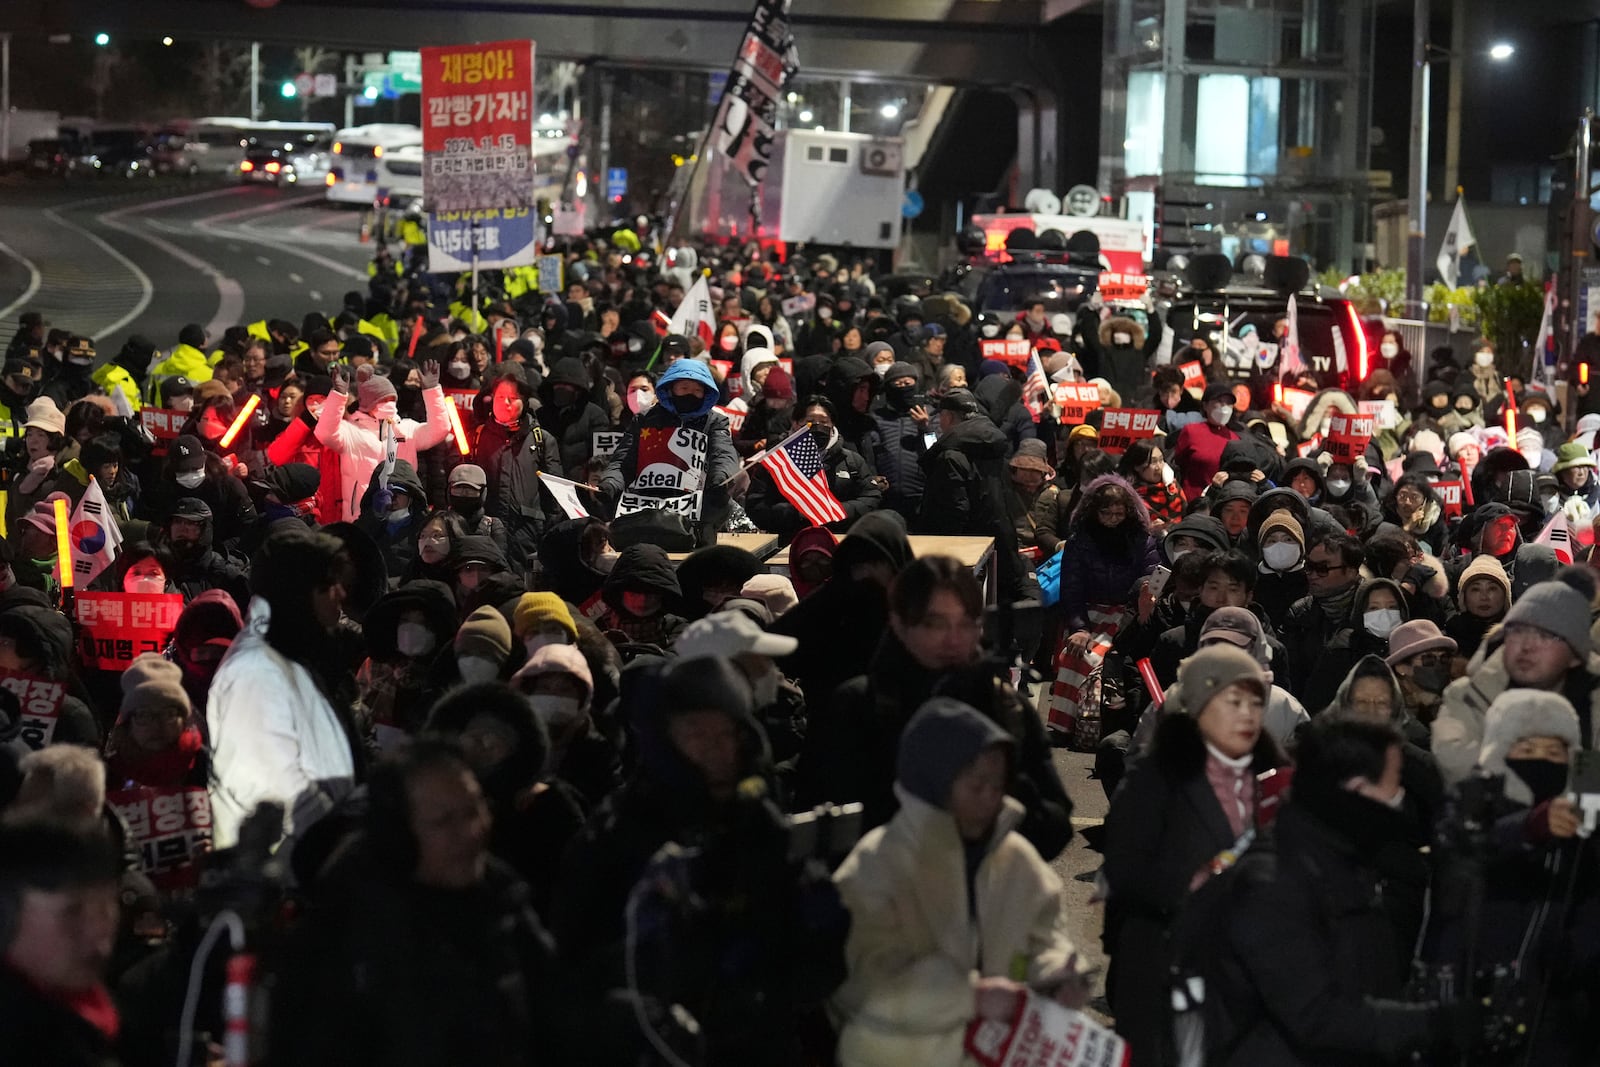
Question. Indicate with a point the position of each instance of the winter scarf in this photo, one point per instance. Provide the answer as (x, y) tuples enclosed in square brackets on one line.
[(1165, 501)]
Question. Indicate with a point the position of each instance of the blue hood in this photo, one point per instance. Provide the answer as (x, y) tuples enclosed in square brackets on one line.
[(691, 370)]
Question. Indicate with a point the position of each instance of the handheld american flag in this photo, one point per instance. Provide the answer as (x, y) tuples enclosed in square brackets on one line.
[(796, 469), (1036, 388)]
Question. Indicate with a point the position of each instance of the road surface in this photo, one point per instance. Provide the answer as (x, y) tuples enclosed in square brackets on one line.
[(112, 258)]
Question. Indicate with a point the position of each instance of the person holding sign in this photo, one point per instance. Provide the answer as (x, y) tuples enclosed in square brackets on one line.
[(678, 456), (930, 950)]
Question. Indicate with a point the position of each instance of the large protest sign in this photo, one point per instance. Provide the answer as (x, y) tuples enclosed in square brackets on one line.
[(1121, 427), (1076, 400), (169, 828), (38, 703), (671, 461), (116, 627), (477, 127), (1348, 436)]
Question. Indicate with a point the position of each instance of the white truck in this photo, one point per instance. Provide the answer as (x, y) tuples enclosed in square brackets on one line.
[(22, 125)]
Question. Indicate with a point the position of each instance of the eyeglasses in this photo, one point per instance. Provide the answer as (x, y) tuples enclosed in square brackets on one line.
[(1431, 659), (1324, 568)]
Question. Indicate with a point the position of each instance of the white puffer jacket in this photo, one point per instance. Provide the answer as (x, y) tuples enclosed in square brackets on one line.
[(915, 954), (274, 736), (360, 449)]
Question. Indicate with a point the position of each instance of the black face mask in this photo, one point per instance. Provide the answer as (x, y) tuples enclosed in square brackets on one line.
[(466, 505), (685, 405), (821, 438), (1430, 679), (1544, 778), (899, 396)]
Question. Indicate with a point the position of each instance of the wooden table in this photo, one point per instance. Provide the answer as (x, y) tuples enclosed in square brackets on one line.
[(759, 545), (974, 552)]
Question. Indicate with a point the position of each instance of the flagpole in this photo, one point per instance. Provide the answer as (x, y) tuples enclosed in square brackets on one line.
[(694, 172)]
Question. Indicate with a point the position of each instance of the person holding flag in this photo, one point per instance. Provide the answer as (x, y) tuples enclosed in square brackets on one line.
[(811, 478), (695, 317)]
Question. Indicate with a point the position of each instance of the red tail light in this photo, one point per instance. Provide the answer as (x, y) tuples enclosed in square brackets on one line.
[(246, 167), (273, 168)]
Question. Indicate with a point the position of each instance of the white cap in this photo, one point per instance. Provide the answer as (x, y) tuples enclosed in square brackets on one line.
[(728, 633)]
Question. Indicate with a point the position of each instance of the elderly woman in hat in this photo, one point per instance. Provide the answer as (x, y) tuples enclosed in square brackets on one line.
[(1577, 476)]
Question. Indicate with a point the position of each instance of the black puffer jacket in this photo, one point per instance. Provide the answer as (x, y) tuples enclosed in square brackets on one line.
[(572, 425), (1001, 397), (960, 468), (512, 459), (858, 430), (396, 540), (849, 480)]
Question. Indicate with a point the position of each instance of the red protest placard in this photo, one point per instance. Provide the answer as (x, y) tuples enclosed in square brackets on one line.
[(463, 399), (1076, 400), (116, 627), (163, 423), (38, 703), (1124, 287), (169, 827), (1296, 400), (734, 416), (1307, 447), (477, 126), (1007, 349), (1121, 427), (1449, 497), (1194, 375), (1348, 436), (1042, 1033)]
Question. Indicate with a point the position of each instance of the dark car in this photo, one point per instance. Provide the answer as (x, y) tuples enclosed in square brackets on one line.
[(120, 154), (1009, 287), (53, 157), (285, 160)]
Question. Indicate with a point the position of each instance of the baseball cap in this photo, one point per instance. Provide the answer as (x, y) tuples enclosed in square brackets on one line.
[(729, 633), (1237, 626), (469, 475), (188, 454)]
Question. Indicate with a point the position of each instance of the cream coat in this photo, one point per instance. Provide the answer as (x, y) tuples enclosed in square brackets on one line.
[(914, 955), (274, 736)]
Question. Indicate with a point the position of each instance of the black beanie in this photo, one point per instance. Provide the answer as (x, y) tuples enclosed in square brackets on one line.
[(193, 335), (706, 683), (942, 739)]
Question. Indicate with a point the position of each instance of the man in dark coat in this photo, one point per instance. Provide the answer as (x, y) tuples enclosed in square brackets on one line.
[(851, 386), (961, 466), (900, 439), (1122, 350), (1313, 973), (1333, 573), (512, 448), (1001, 397), (570, 416), (849, 480), (199, 565)]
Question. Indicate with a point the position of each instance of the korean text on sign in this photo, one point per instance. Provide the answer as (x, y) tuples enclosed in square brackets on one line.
[(38, 705), (168, 827), (1015, 350), (1121, 427), (1076, 400), (477, 126), (116, 627), (1449, 494), (1348, 436)]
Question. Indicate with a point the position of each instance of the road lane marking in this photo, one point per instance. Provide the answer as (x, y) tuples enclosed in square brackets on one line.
[(230, 294), (33, 281), (260, 209), (316, 297), (264, 261), (146, 288), (293, 277)]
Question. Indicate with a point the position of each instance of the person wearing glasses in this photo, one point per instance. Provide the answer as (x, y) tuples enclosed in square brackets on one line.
[(1544, 644), (1420, 656), (1333, 572)]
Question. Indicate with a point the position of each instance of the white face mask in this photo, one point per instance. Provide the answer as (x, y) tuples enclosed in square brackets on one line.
[(477, 669), (606, 560), (190, 479), (1338, 486), (1484, 359), (460, 370), (144, 583), (1220, 414), (181, 403), (991, 329), (1538, 414), (1380, 623), (1178, 553), (1389, 349), (1121, 339), (728, 343), (80, 361), (882, 369), (399, 514), (641, 400), (387, 411), (765, 689), (1281, 556), (556, 711), (635, 345), (825, 314), (414, 639)]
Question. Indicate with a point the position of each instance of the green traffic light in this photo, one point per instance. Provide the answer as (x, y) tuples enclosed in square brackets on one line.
[(287, 90), (102, 39)]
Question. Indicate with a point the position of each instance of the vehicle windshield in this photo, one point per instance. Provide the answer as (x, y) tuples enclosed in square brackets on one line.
[(1009, 290)]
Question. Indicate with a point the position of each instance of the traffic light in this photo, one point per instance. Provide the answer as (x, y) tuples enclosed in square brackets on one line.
[(287, 90), (102, 39)]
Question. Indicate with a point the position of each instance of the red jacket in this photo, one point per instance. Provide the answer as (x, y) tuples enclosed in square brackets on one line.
[(297, 444), (1198, 455)]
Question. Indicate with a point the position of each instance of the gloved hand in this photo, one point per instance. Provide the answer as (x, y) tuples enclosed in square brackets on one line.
[(429, 373), (382, 502), (340, 385), (1418, 577)]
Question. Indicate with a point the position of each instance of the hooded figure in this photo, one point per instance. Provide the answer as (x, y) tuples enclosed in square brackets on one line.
[(127, 372), (687, 395), (640, 591), (198, 564), (392, 516), (207, 628), (375, 431), (536, 815), (558, 685), (934, 897), (964, 470), (1366, 633), (1122, 350), (405, 632), (569, 415), (852, 408), (901, 439), (1107, 559), (1001, 397), (46, 648)]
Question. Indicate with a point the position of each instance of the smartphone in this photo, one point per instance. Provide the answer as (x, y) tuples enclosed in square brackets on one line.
[(1158, 580), (928, 439)]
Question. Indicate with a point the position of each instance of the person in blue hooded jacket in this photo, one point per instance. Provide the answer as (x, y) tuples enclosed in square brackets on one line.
[(686, 394)]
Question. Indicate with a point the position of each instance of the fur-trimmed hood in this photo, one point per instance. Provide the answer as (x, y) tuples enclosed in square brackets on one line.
[(1121, 324), (1327, 402), (1140, 511)]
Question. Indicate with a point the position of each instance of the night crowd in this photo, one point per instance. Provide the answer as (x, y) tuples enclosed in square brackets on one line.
[(491, 742)]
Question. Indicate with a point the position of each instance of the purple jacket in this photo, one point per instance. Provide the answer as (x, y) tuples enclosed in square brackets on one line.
[(1094, 572)]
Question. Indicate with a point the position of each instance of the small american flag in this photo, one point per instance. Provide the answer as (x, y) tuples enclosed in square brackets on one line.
[(796, 469), (1036, 388)]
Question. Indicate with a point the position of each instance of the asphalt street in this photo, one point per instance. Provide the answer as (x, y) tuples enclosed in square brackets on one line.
[(111, 258)]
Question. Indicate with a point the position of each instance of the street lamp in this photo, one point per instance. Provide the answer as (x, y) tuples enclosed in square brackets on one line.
[(1502, 51), (890, 110), (805, 116), (167, 41)]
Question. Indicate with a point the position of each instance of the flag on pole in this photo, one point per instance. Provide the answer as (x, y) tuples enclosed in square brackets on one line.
[(695, 315), (1557, 534), (95, 537), (746, 122), (796, 469), (1036, 390), (1457, 239), (1544, 347), (1290, 363), (566, 494)]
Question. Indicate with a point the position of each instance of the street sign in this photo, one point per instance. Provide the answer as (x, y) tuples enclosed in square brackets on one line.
[(325, 85), (304, 83), (912, 205), (616, 183), (405, 72), (717, 82)]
